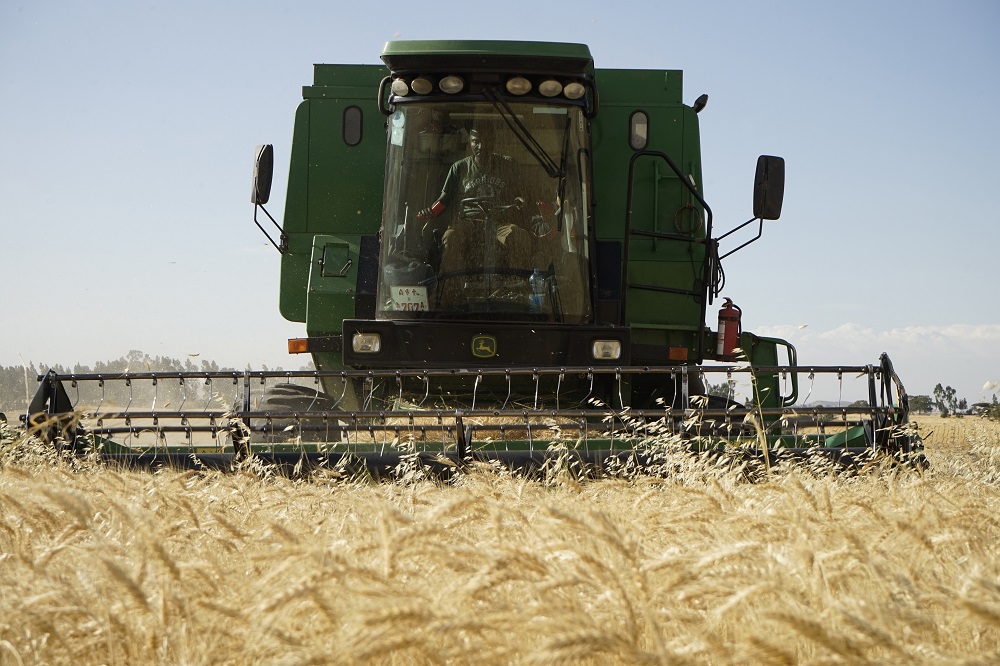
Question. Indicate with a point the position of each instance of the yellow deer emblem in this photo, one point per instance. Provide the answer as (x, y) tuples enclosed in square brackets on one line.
[(484, 346)]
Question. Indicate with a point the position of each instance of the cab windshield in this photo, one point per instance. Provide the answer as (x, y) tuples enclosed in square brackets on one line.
[(484, 214)]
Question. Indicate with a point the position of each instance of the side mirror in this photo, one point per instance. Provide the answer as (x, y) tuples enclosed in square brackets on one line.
[(263, 170), (768, 187)]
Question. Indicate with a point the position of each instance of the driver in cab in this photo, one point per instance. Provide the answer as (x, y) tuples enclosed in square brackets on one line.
[(479, 190)]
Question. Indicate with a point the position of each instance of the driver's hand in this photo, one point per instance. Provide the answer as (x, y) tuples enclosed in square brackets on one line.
[(503, 231), (431, 211), (541, 227)]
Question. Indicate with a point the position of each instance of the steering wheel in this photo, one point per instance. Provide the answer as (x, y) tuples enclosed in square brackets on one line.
[(489, 206)]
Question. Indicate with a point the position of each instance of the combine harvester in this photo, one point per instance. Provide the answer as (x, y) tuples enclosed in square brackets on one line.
[(499, 253)]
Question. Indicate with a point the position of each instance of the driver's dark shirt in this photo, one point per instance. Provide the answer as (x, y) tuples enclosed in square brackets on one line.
[(466, 179)]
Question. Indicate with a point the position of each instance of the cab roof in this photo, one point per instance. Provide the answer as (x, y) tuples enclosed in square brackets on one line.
[(423, 56)]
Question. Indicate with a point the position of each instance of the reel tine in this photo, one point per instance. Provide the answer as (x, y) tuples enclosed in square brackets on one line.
[(618, 382), (535, 377), (475, 388), (343, 391), (208, 390), (562, 374), (427, 389), (509, 389), (369, 391)]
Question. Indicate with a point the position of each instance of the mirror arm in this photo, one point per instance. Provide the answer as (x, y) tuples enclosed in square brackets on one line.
[(282, 246), (760, 232)]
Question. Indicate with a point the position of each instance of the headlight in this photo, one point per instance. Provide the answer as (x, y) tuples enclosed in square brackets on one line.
[(422, 86), (366, 343), (518, 85), (400, 88), (452, 84), (606, 350), (550, 88), (574, 90)]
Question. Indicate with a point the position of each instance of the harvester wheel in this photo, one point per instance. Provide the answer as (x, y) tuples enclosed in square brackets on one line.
[(286, 399)]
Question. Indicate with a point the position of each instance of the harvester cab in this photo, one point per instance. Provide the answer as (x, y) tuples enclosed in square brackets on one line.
[(489, 242)]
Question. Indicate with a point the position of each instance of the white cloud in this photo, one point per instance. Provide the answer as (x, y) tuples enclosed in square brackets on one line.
[(965, 356)]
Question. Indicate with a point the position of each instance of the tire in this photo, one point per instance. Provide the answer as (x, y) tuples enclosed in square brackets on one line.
[(283, 398)]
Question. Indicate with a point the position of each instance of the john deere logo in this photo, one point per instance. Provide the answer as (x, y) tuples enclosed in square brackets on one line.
[(484, 346)]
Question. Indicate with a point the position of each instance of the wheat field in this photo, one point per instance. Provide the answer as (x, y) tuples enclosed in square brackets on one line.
[(102, 566)]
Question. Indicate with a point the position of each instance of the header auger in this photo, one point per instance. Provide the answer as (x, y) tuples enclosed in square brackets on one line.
[(499, 253)]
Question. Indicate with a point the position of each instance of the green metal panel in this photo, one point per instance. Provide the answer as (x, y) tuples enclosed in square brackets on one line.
[(295, 261), (332, 282), (333, 187), (345, 183), (660, 201), (771, 390)]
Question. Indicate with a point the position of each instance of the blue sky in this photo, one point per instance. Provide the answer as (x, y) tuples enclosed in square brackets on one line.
[(128, 131)]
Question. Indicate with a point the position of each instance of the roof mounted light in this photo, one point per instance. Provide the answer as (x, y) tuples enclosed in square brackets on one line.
[(400, 88), (422, 85), (574, 90), (452, 84), (518, 85), (550, 88)]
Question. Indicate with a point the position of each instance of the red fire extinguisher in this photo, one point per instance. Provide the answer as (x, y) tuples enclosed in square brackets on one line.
[(730, 328)]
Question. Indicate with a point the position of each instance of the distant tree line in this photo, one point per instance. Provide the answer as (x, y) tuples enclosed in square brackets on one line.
[(18, 383), (921, 404), (945, 401)]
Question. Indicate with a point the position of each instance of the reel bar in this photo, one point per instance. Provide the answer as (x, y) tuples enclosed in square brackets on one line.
[(263, 375), (321, 424)]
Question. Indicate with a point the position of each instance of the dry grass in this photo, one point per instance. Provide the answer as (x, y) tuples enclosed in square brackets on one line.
[(99, 566)]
